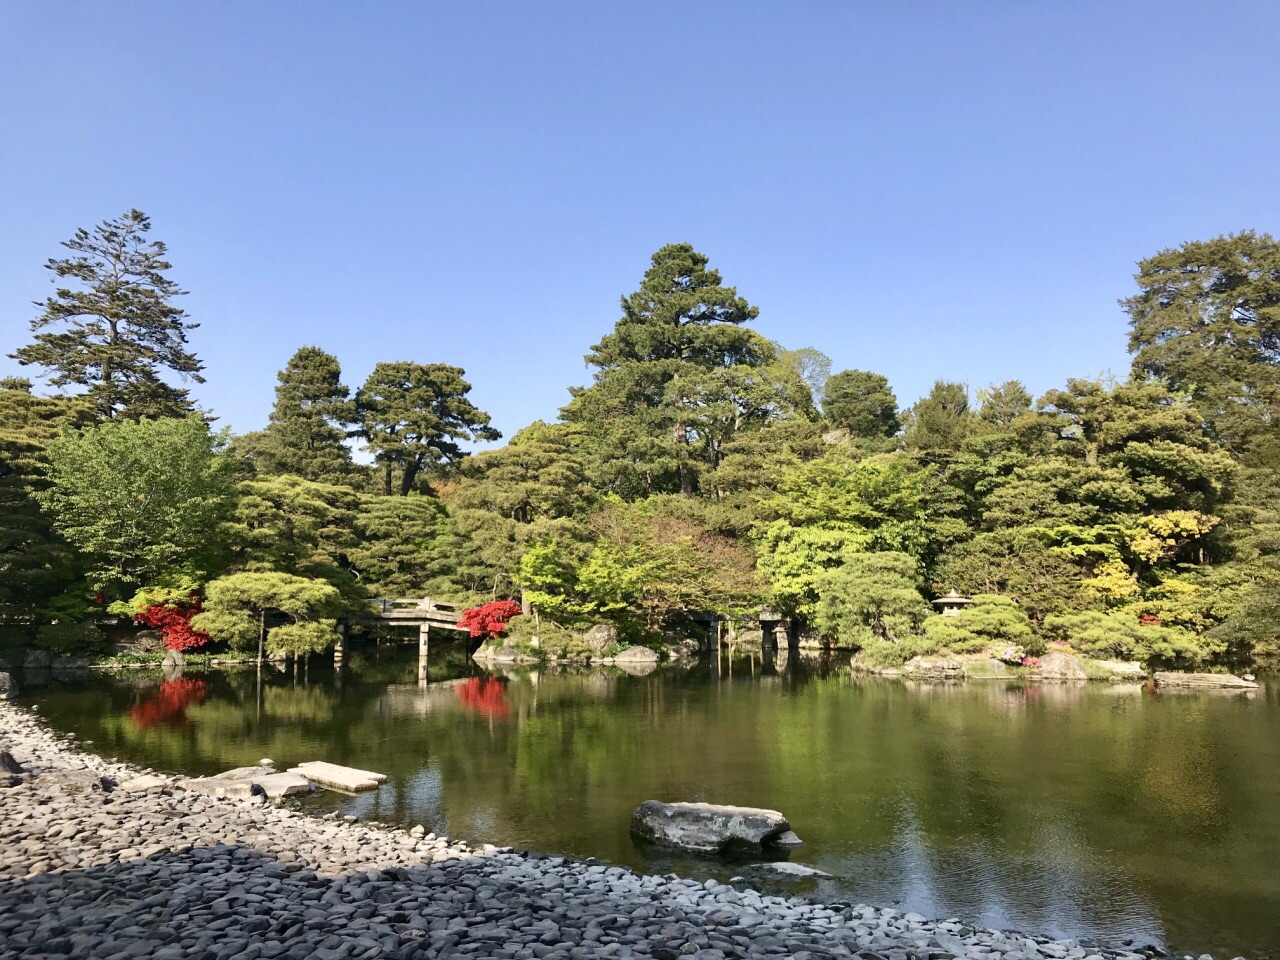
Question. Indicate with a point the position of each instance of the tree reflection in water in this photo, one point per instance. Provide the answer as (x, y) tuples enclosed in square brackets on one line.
[(486, 696), (169, 704)]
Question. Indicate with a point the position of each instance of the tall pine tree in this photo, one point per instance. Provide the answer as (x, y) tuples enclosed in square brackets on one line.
[(657, 371), (412, 416), (306, 433), (120, 330)]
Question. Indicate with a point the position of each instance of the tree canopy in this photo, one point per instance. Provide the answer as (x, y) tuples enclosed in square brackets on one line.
[(120, 331)]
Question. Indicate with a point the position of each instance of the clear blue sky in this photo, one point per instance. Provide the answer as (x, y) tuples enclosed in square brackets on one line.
[(928, 190)]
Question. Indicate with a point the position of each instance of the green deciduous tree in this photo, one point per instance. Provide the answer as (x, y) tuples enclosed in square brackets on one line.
[(414, 416), (828, 510), (862, 403), (1018, 563), (645, 568), (118, 333), (142, 501)]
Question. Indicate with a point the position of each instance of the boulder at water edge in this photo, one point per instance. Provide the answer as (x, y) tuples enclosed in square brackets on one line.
[(8, 686), (708, 827), (1060, 666), (601, 637)]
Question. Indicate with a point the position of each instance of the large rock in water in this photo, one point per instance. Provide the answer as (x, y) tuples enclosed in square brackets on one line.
[(1221, 681), (708, 827), (8, 686)]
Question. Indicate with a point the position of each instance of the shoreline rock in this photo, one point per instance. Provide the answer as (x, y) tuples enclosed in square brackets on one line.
[(97, 872), (709, 827)]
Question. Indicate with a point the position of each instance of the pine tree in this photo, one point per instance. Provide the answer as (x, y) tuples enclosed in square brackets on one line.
[(121, 330), (412, 416), (659, 371), (862, 403), (1206, 320), (305, 436)]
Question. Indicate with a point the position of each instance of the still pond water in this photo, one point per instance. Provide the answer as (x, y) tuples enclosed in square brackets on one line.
[(1089, 811)]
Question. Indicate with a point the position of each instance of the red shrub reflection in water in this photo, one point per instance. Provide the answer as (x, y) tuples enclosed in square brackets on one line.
[(169, 705), (486, 696)]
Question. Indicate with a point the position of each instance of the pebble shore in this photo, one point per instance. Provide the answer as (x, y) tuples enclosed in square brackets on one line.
[(92, 868)]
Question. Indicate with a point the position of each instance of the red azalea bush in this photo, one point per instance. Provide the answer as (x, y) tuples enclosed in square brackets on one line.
[(1150, 620), (169, 705), (490, 619), (174, 623)]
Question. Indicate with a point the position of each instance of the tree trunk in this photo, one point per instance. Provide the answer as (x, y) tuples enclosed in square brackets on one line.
[(262, 636)]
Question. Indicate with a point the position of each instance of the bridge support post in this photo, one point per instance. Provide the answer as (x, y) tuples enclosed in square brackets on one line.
[(424, 646), (340, 648)]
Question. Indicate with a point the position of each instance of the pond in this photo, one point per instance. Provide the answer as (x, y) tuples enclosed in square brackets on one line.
[(1089, 811)]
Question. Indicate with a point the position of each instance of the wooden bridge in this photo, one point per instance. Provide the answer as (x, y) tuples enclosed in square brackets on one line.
[(422, 612)]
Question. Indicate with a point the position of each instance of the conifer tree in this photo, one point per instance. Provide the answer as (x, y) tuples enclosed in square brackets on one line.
[(1206, 320), (306, 433), (120, 330), (412, 416), (659, 368)]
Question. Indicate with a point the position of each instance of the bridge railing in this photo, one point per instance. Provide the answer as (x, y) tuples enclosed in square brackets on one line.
[(409, 604)]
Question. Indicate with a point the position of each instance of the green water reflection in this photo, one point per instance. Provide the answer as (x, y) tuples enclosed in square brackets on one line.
[(1086, 811)]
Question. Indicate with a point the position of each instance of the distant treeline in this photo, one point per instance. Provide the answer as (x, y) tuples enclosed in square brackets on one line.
[(705, 468)]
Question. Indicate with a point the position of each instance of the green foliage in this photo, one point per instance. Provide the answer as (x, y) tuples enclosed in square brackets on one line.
[(142, 501), (117, 334), (36, 563), (306, 434), (862, 403), (413, 416), (239, 608), (292, 525), (645, 568), (179, 590), (828, 510), (1002, 405), (941, 421), (1206, 319), (406, 547), (1117, 635), (71, 638), (991, 622), (871, 597), (1018, 563), (678, 379)]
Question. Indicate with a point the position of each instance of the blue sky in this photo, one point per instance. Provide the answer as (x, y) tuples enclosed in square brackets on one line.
[(927, 190)]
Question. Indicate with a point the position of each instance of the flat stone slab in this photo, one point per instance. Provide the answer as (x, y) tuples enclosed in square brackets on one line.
[(239, 786), (335, 777), (793, 869), (144, 784), (708, 827), (1218, 681)]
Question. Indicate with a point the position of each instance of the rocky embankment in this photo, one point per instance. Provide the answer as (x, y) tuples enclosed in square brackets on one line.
[(94, 866)]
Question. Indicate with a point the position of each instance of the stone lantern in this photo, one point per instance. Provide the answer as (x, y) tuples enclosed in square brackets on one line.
[(952, 604)]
